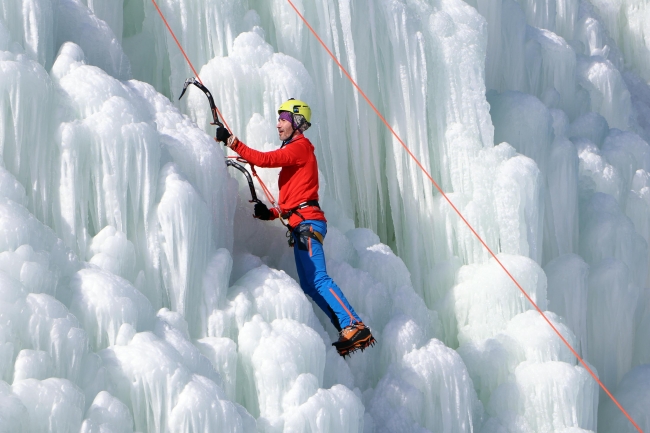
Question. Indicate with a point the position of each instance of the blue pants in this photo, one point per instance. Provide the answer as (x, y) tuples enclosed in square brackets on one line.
[(310, 262)]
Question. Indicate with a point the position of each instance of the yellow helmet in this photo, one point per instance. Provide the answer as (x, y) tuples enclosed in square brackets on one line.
[(300, 111)]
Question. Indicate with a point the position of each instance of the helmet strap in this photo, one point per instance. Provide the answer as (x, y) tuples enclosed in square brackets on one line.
[(291, 137)]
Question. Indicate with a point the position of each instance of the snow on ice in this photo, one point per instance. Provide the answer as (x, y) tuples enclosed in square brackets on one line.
[(137, 293)]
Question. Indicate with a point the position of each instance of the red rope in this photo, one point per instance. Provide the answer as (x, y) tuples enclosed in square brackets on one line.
[(381, 117), (268, 194), (419, 164), (180, 47)]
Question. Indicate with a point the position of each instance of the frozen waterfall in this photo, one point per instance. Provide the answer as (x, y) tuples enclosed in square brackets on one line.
[(137, 293)]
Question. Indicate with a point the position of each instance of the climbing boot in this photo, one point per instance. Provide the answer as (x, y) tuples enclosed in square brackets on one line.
[(352, 338)]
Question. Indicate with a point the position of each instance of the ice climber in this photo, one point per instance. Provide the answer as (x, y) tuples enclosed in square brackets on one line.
[(298, 183)]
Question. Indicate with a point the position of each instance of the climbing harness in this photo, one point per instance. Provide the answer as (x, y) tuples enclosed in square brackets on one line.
[(309, 203), (304, 233), (435, 184), (299, 229)]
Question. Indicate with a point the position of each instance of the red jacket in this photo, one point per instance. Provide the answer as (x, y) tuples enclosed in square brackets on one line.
[(298, 181)]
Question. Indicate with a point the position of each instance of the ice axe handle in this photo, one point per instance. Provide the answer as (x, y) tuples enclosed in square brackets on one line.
[(213, 107), (245, 172)]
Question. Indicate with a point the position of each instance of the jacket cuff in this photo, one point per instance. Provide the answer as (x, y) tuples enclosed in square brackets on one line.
[(233, 142), (274, 213)]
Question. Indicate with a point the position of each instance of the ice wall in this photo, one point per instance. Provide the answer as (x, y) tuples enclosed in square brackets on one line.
[(137, 290)]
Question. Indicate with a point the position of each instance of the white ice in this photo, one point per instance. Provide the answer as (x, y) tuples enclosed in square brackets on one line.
[(138, 294)]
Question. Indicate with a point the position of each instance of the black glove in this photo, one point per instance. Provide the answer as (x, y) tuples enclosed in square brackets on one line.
[(222, 134), (262, 212)]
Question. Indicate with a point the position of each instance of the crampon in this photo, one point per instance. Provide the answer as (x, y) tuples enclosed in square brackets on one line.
[(356, 336)]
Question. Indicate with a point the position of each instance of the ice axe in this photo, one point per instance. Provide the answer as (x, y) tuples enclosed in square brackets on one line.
[(249, 179), (213, 107), (216, 122)]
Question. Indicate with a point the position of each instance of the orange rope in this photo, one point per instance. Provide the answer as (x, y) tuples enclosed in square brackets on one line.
[(419, 164), (381, 117), (196, 74), (267, 192)]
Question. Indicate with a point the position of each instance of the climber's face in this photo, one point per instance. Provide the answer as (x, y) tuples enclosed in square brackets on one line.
[(285, 129)]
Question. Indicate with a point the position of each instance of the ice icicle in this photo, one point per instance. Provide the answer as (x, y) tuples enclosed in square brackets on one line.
[(608, 93), (52, 404), (336, 409), (184, 227), (26, 99), (606, 233), (551, 66), (33, 364), (627, 23), (567, 295), (493, 361), (642, 333), (214, 412), (104, 302), (591, 126), (490, 363), (561, 219), (222, 353), (540, 14), (53, 329), (505, 59), (153, 377), (11, 188), (610, 329), (126, 184), (173, 329), (97, 149), (154, 54), (524, 122), (518, 190), (30, 23), (428, 389), (215, 288), (113, 252), (107, 413), (13, 413), (112, 13), (401, 336), (196, 155), (82, 152), (632, 394), (596, 174), (263, 349), (40, 323), (35, 270), (74, 22), (379, 261), (541, 344), (273, 295), (638, 209), (549, 407), (481, 287)]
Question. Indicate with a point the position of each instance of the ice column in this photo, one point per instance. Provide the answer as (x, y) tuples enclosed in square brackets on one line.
[(157, 60)]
